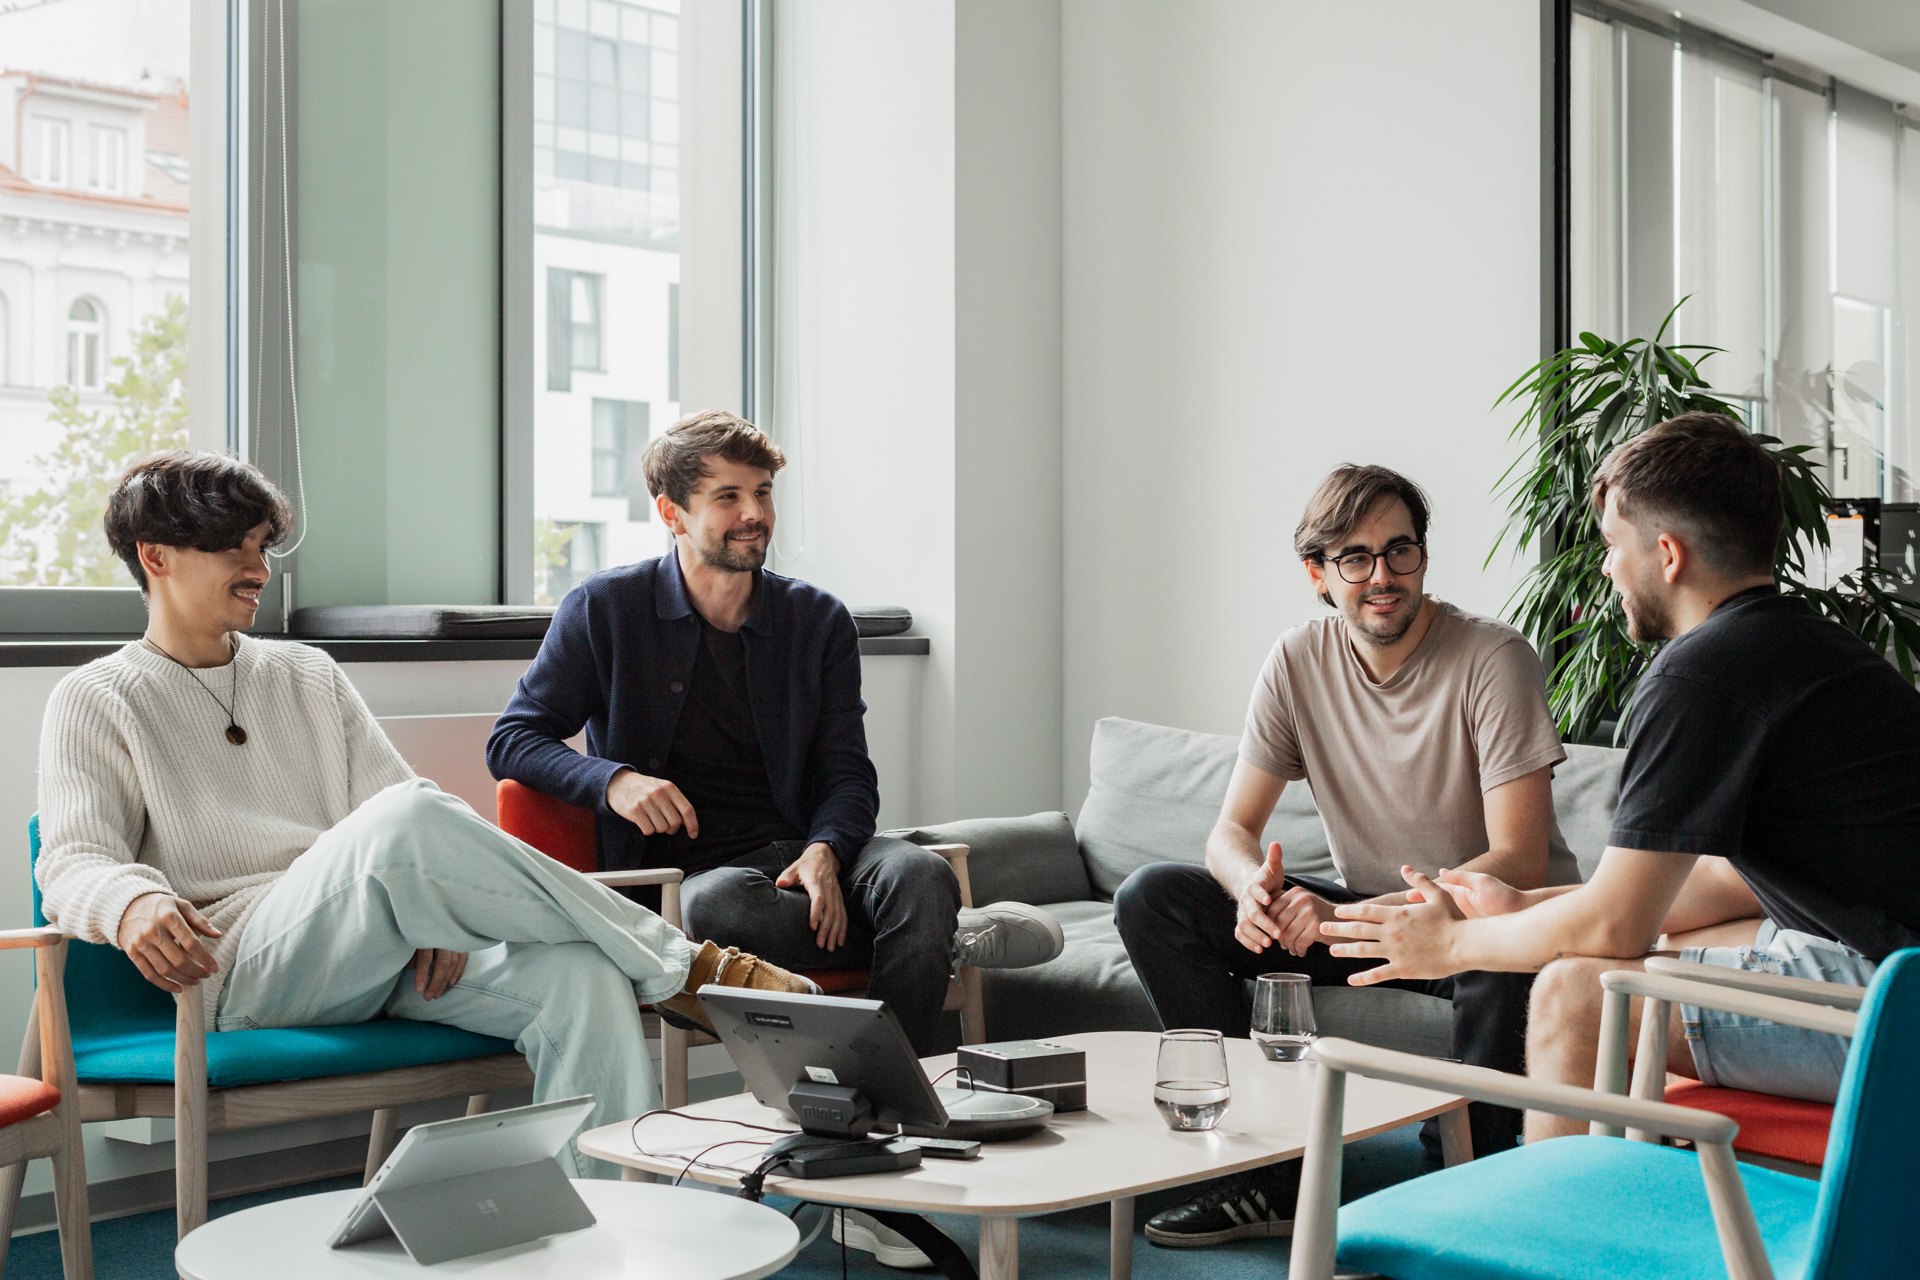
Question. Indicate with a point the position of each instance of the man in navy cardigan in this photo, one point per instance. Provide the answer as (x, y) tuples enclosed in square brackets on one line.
[(725, 737)]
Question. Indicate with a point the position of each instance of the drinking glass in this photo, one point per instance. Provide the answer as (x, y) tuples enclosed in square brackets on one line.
[(1283, 1015), (1190, 1084)]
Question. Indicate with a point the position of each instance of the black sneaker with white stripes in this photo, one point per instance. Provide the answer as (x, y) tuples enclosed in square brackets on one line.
[(1248, 1205)]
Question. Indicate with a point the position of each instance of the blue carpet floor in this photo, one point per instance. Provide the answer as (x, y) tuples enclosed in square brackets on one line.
[(1060, 1245)]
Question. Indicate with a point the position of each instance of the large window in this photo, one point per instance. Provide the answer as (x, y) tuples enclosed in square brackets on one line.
[(447, 313), (93, 273), (607, 159), (1781, 209)]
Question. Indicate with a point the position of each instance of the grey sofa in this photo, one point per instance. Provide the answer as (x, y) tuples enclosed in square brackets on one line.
[(1154, 796)]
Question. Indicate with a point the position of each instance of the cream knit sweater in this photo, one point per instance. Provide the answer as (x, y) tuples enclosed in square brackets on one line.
[(141, 791)]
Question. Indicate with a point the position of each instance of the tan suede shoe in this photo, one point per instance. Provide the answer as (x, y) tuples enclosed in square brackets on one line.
[(729, 968)]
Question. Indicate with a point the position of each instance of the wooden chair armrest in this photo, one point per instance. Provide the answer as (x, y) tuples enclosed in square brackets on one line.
[(948, 851), (1836, 995), (1485, 1085), (1792, 1012), (44, 936), (618, 879)]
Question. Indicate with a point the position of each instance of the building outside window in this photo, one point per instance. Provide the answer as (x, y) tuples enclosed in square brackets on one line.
[(103, 119), (109, 159), (606, 199), (619, 438), (50, 152)]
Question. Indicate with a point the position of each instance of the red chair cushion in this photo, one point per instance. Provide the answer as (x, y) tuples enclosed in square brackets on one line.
[(833, 981), (22, 1097), (562, 831), (1782, 1128)]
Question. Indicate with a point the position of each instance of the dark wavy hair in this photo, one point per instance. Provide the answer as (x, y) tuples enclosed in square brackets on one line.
[(207, 501), (676, 461)]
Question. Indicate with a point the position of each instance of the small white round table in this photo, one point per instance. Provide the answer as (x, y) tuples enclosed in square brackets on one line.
[(642, 1231)]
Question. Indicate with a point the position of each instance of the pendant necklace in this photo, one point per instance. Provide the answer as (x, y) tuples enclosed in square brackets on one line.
[(235, 734)]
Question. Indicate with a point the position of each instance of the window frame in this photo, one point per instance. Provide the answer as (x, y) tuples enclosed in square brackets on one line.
[(92, 333), (97, 134), (45, 128)]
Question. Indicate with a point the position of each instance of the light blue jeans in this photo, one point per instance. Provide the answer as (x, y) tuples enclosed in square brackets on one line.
[(557, 963), (1733, 1051)]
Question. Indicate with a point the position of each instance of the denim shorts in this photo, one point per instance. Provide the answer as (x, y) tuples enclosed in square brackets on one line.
[(1732, 1051)]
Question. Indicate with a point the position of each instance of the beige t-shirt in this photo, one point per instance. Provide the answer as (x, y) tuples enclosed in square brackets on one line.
[(1398, 769)]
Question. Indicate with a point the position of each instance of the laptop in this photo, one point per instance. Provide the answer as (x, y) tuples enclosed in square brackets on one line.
[(460, 1187)]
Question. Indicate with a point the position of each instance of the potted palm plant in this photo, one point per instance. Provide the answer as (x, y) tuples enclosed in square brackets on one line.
[(1578, 404)]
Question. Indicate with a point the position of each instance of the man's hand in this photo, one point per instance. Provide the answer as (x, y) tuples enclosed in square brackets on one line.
[(1300, 916), (818, 869), (1415, 940), (435, 971), (1476, 893), (157, 931), (1257, 924), (652, 804)]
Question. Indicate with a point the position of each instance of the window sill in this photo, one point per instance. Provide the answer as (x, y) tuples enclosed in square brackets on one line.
[(75, 651)]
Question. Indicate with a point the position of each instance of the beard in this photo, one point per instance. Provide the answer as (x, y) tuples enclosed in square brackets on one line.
[(733, 557), (1648, 619), (1378, 630)]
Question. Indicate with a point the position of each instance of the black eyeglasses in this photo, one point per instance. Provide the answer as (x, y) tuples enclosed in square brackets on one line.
[(1402, 559)]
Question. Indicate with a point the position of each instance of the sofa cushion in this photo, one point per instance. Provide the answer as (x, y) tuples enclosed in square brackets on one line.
[(1032, 859), (1156, 793), (1586, 790), (1090, 986)]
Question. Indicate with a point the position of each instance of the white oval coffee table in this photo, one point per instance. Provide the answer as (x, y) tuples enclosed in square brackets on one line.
[(643, 1231)]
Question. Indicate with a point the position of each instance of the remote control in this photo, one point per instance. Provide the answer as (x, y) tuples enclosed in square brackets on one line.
[(947, 1148)]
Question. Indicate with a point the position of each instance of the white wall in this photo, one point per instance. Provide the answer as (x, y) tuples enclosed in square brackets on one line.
[(919, 372), (1295, 235)]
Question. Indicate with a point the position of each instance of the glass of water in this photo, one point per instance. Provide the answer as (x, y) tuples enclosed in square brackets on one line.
[(1283, 1015), (1190, 1084)]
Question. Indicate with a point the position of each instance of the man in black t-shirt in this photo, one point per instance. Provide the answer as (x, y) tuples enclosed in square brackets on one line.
[(1772, 770)]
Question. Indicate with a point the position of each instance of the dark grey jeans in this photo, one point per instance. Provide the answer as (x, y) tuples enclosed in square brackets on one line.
[(902, 905)]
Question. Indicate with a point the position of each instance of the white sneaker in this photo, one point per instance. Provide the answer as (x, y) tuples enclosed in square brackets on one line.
[(1006, 935), (888, 1247)]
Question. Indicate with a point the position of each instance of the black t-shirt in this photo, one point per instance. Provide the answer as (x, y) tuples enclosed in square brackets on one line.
[(716, 762), (1774, 737)]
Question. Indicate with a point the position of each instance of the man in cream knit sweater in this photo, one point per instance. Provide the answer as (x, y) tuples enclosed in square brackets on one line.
[(226, 811)]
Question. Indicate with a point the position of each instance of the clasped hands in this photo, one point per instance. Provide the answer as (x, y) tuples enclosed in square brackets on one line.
[(658, 807), (161, 935), (1414, 939)]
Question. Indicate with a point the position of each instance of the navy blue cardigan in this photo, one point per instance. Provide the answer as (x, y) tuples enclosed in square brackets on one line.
[(618, 659)]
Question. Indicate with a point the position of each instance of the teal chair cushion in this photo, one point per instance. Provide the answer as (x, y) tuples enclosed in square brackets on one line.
[(259, 1057), (1571, 1209), (123, 1030)]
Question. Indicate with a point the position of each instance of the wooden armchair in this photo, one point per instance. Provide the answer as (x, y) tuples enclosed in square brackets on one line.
[(565, 833), (1783, 1133), (138, 1052), (41, 1116)]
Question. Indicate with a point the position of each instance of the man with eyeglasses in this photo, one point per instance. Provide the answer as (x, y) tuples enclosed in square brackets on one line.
[(1425, 734)]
